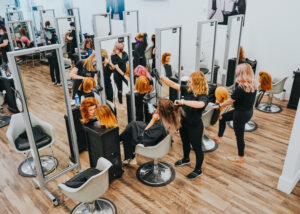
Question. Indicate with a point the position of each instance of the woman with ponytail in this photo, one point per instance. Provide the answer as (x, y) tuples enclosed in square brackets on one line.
[(242, 98), (166, 119)]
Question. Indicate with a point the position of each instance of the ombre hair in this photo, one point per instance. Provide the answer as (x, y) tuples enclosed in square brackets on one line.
[(84, 108), (106, 117), (245, 78), (198, 83), (142, 71), (87, 84), (142, 85), (170, 114), (164, 57), (88, 62)]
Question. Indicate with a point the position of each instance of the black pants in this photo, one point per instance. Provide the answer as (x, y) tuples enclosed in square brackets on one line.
[(109, 92), (240, 118), (54, 69), (192, 135), (119, 83)]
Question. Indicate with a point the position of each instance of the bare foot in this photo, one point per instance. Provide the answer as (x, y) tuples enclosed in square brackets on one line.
[(218, 139), (237, 159)]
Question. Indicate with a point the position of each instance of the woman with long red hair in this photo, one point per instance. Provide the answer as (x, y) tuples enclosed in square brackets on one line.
[(242, 98)]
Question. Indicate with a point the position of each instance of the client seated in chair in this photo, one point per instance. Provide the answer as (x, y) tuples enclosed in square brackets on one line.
[(86, 88), (87, 110), (165, 119), (143, 87)]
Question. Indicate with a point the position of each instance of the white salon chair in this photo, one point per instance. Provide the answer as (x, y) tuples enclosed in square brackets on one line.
[(89, 193), (277, 88), (27, 167), (4, 120), (155, 173), (208, 144)]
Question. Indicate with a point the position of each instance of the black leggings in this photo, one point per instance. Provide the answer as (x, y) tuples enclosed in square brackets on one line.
[(119, 83), (240, 118), (53, 64), (109, 93), (192, 135)]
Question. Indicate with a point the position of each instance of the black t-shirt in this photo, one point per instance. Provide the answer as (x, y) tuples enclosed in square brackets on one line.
[(82, 71), (6, 48), (168, 70), (73, 44), (193, 116), (244, 101), (121, 62), (107, 74)]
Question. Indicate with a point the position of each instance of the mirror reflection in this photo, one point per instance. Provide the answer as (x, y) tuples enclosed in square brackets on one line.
[(14, 16), (102, 25), (131, 22)]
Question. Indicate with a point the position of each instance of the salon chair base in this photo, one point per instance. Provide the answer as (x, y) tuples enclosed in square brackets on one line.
[(249, 127), (27, 167), (155, 175), (102, 205), (208, 144), (4, 121), (269, 108)]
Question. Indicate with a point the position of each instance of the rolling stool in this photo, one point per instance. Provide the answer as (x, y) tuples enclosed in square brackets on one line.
[(277, 88), (155, 173), (27, 167), (208, 144), (87, 187)]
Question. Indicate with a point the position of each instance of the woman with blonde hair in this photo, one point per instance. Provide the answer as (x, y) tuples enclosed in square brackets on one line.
[(242, 98), (87, 109), (194, 102), (84, 68), (106, 117)]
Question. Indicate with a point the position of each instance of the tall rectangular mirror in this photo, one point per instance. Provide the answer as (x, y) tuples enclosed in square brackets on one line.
[(205, 49), (232, 49), (37, 19), (131, 22), (14, 16), (75, 12), (102, 24), (168, 58), (115, 65)]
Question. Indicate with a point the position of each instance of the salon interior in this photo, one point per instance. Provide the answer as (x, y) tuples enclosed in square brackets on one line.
[(149, 106)]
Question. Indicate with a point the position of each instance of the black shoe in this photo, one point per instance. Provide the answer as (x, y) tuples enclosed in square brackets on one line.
[(194, 174), (182, 162)]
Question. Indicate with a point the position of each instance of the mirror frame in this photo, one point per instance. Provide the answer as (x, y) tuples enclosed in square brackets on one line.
[(95, 24), (125, 14)]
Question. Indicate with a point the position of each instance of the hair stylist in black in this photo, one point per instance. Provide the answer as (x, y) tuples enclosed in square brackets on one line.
[(243, 98), (4, 45), (119, 59), (139, 57), (108, 69), (84, 68), (73, 42), (191, 131)]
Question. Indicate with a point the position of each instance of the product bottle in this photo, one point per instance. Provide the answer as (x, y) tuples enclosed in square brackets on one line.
[(77, 103)]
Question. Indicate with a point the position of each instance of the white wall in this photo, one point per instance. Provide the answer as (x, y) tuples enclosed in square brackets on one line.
[(291, 170)]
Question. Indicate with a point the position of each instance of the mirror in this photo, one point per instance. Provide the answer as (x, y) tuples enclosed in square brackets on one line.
[(116, 50), (102, 25), (14, 16), (68, 36), (20, 34), (11, 9), (205, 49), (47, 23), (75, 12), (232, 50), (168, 51), (37, 20), (131, 22), (47, 106)]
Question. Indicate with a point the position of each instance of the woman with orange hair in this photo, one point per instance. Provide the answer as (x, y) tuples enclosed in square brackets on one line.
[(191, 131), (106, 117), (265, 81), (165, 60), (87, 109), (242, 98), (222, 95), (83, 68)]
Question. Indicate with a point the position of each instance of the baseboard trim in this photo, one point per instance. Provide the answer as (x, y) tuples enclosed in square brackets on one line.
[(287, 185)]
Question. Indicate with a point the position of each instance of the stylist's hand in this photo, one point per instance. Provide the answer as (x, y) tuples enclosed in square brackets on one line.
[(216, 107), (177, 102), (155, 116), (163, 79), (106, 61)]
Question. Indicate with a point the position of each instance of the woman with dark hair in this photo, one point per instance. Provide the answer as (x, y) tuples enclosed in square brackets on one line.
[(4, 44), (166, 119), (191, 131), (88, 46), (119, 59), (242, 98)]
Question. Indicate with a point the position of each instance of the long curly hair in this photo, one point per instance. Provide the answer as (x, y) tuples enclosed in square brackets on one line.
[(142, 85), (164, 57), (265, 81), (106, 117), (84, 108), (245, 77), (198, 83), (170, 114), (222, 95)]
